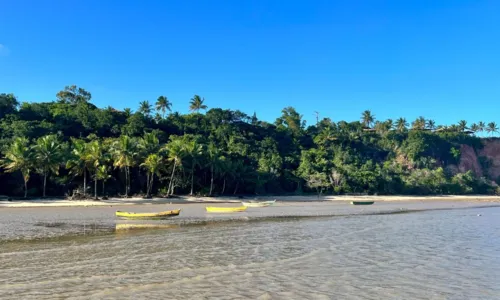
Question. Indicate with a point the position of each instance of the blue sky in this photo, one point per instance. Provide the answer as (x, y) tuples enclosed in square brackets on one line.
[(439, 59)]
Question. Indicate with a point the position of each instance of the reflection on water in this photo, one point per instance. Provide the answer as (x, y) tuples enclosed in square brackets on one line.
[(451, 254)]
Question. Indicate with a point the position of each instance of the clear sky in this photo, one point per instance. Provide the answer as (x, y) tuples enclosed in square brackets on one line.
[(439, 59)]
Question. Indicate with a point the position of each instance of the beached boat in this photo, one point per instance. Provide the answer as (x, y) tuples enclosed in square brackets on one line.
[(362, 202), (148, 216), (120, 227), (214, 209), (257, 203)]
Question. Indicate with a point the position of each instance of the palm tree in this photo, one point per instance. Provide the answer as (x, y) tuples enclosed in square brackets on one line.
[(48, 154), (145, 108), (176, 152), (162, 104), (367, 118), (492, 128), (149, 144), (127, 112), (77, 163), (214, 162), (153, 164), (462, 125), (482, 126), (194, 150), (389, 124), (95, 158), (401, 124), (474, 127), (196, 104), (102, 173), (19, 157), (124, 153), (431, 124), (418, 124)]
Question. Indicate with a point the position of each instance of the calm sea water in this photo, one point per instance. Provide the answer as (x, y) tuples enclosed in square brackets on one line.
[(442, 254)]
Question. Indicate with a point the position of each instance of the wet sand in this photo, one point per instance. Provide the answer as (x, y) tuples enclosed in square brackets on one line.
[(20, 223)]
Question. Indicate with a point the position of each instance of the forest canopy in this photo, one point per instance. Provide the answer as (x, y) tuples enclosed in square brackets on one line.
[(67, 145)]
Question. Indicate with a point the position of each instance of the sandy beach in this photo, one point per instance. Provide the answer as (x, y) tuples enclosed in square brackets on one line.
[(189, 200)]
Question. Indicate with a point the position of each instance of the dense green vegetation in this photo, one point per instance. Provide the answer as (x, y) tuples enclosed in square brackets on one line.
[(68, 145)]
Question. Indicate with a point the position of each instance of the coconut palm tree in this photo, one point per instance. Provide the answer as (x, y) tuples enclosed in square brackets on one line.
[(474, 127), (149, 144), (401, 124), (492, 128), (162, 104), (145, 108), (389, 124), (95, 158), (367, 118), (19, 157), (462, 125), (431, 124), (482, 126), (103, 175), (77, 163), (124, 155), (194, 150), (418, 124), (48, 157), (175, 153), (196, 104), (127, 112), (153, 164), (214, 161)]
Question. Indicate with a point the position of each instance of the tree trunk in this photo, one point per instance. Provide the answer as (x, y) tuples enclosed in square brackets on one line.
[(84, 182), (192, 180), (236, 188), (44, 183), (103, 194), (224, 186), (25, 187), (152, 178), (170, 190), (147, 185), (95, 186), (126, 182), (211, 181)]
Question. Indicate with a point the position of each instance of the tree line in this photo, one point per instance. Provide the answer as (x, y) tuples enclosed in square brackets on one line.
[(70, 146)]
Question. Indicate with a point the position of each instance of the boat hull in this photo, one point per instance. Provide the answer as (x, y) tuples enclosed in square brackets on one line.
[(214, 209), (148, 216), (258, 204), (362, 202)]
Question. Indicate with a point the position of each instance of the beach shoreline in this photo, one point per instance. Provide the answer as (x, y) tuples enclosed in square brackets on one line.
[(191, 199)]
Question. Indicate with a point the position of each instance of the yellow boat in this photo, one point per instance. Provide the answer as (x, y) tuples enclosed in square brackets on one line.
[(225, 209), (148, 216)]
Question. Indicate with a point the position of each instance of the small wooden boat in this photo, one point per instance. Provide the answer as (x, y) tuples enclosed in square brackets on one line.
[(362, 202), (148, 216), (214, 209), (258, 204), (120, 227)]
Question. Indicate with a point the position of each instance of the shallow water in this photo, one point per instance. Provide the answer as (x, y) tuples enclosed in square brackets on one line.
[(442, 254)]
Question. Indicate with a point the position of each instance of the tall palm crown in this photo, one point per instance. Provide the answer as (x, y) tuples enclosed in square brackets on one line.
[(48, 155), (367, 118), (153, 164), (492, 128), (419, 123), (482, 126), (145, 108), (19, 157), (162, 104), (196, 104), (474, 127), (401, 124), (149, 143), (462, 125), (431, 124)]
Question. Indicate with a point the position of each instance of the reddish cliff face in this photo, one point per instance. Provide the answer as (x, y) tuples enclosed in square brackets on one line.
[(469, 159), (491, 150)]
